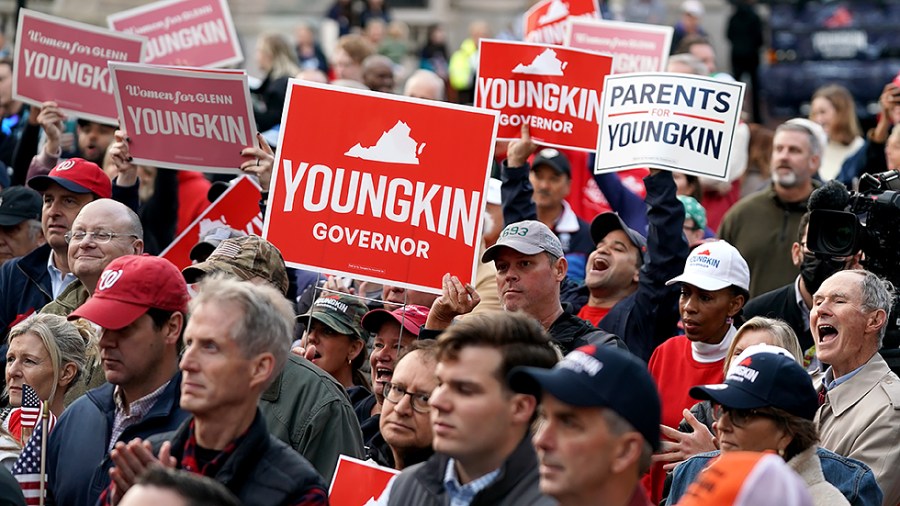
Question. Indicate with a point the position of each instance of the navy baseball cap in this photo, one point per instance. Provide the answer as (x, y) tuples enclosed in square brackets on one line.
[(761, 378), (604, 223), (602, 377), (553, 159)]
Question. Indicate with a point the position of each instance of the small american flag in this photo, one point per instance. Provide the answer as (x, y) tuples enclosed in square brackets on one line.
[(28, 468), (31, 407)]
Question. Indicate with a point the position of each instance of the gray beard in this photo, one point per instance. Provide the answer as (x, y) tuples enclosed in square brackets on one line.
[(786, 181)]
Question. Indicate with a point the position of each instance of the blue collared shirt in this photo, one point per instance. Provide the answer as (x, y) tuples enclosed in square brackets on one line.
[(58, 281), (462, 495), (829, 385)]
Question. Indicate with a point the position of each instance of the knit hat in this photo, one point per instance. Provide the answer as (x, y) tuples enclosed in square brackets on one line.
[(694, 211)]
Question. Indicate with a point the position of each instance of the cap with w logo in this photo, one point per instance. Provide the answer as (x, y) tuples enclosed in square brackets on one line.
[(129, 286)]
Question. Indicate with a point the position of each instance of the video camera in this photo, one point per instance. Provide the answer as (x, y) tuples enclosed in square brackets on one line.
[(868, 220)]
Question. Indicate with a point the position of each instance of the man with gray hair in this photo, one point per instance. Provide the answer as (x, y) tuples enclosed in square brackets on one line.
[(304, 406), (236, 342), (860, 396), (761, 225), (425, 84)]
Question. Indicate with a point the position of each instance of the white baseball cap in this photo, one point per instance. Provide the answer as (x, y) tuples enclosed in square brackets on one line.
[(714, 266), (693, 7)]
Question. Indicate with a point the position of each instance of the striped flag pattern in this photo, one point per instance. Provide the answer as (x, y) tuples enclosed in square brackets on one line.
[(31, 407), (27, 469)]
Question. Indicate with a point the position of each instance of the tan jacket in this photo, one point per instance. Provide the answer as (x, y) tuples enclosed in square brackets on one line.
[(860, 419)]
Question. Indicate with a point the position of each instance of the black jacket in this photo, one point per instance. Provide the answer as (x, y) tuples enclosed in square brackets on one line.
[(781, 303), (24, 286), (649, 316), (517, 484), (269, 102), (262, 470), (571, 332)]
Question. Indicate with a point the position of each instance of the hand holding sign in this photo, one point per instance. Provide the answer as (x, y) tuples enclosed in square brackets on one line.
[(51, 120), (518, 150), (456, 299), (118, 152), (260, 165)]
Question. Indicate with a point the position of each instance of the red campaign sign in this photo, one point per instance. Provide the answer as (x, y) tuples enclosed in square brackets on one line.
[(197, 33), (237, 207), (545, 21), (555, 90), (635, 47), (181, 118), (394, 195), (65, 61), (357, 482)]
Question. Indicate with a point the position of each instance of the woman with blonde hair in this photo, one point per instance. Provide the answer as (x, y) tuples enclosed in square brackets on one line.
[(49, 354), (833, 108), (278, 59)]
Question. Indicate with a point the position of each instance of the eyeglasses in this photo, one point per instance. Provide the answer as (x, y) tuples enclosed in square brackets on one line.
[(99, 237), (741, 417), (395, 393)]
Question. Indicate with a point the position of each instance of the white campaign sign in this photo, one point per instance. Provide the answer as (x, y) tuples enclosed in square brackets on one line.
[(677, 122)]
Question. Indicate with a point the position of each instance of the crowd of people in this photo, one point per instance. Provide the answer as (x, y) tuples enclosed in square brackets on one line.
[(686, 345)]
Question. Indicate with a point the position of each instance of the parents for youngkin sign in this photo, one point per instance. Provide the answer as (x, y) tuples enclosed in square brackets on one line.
[(671, 121)]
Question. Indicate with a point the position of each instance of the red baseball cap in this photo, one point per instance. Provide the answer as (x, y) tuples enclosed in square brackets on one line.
[(76, 175), (129, 286), (411, 317)]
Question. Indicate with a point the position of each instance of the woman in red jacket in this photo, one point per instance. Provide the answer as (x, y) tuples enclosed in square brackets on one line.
[(714, 288)]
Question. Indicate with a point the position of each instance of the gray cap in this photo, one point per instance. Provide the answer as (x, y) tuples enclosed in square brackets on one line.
[(529, 237)]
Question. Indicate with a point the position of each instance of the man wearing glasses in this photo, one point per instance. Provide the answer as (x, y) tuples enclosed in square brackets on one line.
[(405, 432), (103, 231), (29, 282)]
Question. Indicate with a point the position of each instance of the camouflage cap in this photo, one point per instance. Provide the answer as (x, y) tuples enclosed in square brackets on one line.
[(245, 258), (342, 312)]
